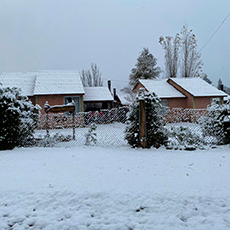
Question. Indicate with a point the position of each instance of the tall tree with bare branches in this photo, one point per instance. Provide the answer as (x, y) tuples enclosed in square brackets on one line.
[(191, 64), (91, 77), (171, 46), (181, 55)]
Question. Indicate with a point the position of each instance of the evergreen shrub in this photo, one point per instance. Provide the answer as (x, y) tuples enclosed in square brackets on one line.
[(18, 119), (217, 122), (156, 134)]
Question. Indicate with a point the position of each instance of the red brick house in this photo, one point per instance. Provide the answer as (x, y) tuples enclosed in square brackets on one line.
[(194, 93), (56, 87)]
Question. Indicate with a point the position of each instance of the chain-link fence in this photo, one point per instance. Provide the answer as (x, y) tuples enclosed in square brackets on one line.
[(107, 127), (102, 128)]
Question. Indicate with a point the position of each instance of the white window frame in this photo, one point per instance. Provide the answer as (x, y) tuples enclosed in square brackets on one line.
[(76, 100), (164, 110)]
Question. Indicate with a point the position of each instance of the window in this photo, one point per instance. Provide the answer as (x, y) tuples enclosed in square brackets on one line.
[(164, 109), (76, 100)]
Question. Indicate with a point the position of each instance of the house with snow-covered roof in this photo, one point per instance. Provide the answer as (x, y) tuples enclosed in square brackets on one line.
[(96, 98), (56, 87), (194, 93)]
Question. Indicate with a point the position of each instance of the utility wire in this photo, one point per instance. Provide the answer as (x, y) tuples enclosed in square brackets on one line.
[(114, 80), (215, 32)]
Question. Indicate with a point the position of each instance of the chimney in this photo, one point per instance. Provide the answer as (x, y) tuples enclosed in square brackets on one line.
[(114, 93), (109, 85)]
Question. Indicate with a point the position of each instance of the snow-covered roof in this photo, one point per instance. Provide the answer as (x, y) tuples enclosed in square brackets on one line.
[(58, 82), (123, 99), (198, 87), (161, 88), (24, 81), (97, 94), (44, 82)]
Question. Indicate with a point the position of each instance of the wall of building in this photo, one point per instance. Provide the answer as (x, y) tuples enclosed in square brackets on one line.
[(202, 102), (138, 86), (194, 102), (52, 100), (176, 103)]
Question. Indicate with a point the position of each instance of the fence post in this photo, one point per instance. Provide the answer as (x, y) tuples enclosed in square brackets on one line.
[(142, 122), (74, 124), (47, 106)]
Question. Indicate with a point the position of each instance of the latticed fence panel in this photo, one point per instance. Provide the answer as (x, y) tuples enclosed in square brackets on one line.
[(111, 125)]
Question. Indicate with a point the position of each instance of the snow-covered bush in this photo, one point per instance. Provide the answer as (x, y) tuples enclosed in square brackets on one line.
[(18, 119), (182, 137), (91, 136), (217, 122), (155, 131), (51, 141)]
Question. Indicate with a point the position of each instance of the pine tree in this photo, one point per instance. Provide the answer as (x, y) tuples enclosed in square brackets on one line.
[(18, 118), (220, 85), (145, 69), (156, 133)]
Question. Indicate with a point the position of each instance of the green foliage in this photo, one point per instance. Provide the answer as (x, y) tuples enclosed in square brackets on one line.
[(155, 131), (18, 119), (217, 122), (145, 68), (183, 137)]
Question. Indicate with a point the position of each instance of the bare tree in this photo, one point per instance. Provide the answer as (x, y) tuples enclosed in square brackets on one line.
[(191, 64), (171, 46), (181, 54), (91, 77)]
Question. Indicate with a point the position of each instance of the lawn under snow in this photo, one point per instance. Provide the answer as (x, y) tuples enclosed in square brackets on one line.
[(114, 188)]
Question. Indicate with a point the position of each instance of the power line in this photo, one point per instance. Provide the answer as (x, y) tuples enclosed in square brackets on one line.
[(115, 80), (215, 31)]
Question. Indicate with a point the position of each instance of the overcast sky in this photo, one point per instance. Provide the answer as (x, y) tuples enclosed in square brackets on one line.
[(71, 34)]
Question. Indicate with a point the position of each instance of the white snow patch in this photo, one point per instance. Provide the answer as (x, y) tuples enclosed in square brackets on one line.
[(114, 188)]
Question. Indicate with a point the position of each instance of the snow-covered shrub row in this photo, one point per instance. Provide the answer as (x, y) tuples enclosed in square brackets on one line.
[(155, 132), (217, 122), (51, 141), (184, 137), (18, 119)]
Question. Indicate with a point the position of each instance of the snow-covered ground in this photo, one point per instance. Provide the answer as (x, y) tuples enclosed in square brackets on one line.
[(114, 188)]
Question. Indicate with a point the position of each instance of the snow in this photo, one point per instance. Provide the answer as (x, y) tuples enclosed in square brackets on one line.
[(114, 187), (58, 82), (198, 87), (97, 94), (44, 82), (161, 88), (24, 81)]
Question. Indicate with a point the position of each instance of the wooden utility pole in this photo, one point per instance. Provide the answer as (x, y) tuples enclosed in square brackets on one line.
[(142, 124)]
